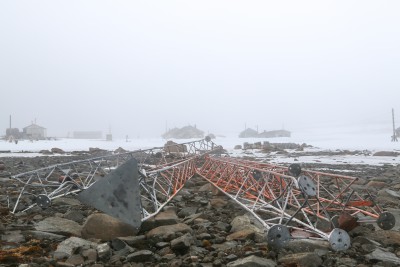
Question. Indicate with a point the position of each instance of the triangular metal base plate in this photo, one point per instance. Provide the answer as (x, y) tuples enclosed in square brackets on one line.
[(117, 194)]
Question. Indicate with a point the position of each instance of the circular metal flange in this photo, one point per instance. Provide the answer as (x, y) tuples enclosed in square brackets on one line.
[(339, 239), (386, 221), (43, 201), (257, 175), (278, 236), (294, 169), (307, 185)]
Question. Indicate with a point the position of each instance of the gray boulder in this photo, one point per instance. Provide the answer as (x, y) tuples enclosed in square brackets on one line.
[(104, 227), (252, 261), (59, 226)]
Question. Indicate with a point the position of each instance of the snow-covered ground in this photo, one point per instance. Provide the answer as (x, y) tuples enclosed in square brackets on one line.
[(330, 139)]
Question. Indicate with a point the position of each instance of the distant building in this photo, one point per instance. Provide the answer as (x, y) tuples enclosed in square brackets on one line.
[(398, 132), (87, 135), (277, 133), (34, 131), (13, 133), (250, 133)]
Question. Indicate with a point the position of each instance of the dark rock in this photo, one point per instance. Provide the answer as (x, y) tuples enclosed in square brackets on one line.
[(135, 241), (57, 150), (168, 232), (223, 226), (301, 260), (95, 150), (75, 260), (120, 150), (182, 244), (231, 257), (103, 251), (118, 244), (75, 216), (70, 245), (168, 217), (162, 244), (140, 256), (90, 254), (187, 211), (202, 236)]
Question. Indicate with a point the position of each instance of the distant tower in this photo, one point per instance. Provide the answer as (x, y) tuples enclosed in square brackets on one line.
[(394, 136), (109, 135)]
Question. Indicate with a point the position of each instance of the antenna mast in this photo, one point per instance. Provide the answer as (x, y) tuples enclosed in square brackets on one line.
[(394, 136)]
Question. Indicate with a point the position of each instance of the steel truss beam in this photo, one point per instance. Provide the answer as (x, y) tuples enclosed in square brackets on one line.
[(45, 184), (292, 203), (289, 202)]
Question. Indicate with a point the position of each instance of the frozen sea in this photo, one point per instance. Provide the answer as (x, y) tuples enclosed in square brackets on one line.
[(371, 139)]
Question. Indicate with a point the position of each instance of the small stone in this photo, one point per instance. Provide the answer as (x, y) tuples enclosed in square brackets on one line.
[(245, 234), (307, 259), (168, 232), (75, 216), (68, 246), (231, 257), (206, 236), (218, 203), (75, 260), (140, 256), (162, 244), (90, 254), (187, 211), (182, 244), (103, 251)]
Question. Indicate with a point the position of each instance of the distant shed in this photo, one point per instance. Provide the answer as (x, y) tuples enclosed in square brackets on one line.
[(277, 133), (34, 131), (248, 133)]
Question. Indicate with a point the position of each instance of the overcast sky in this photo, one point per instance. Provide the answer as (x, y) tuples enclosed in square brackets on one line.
[(139, 66)]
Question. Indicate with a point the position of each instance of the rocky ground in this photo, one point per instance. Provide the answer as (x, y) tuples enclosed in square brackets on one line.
[(199, 227)]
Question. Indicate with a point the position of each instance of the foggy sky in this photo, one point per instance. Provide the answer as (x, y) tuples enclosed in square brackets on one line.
[(141, 66)]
